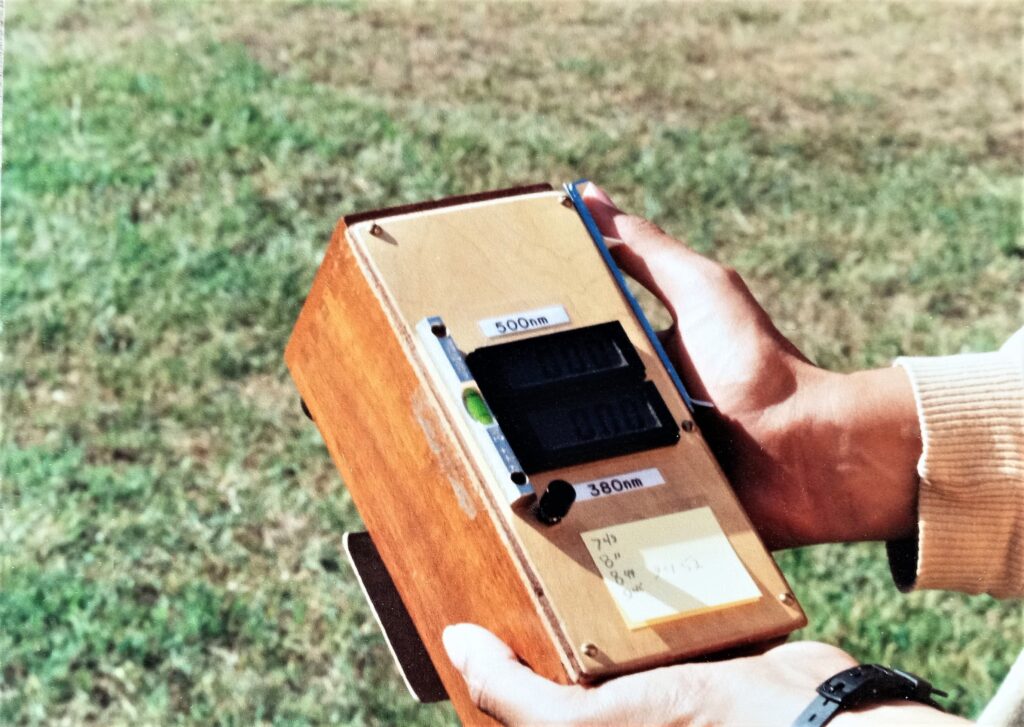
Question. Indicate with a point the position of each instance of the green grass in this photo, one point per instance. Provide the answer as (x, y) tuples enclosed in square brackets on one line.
[(172, 171)]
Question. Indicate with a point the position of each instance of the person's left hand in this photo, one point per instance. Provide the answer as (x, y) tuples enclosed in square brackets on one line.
[(773, 687)]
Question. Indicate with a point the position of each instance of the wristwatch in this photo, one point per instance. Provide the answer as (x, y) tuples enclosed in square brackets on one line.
[(865, 684)]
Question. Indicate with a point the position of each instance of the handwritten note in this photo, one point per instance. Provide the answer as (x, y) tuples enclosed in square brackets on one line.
[(665, 567)]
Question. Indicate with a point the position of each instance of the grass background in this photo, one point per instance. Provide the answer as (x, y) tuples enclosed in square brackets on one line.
[(172, 170)]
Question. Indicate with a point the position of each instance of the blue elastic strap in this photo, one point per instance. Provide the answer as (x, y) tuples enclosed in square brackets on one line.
[(571, 189)]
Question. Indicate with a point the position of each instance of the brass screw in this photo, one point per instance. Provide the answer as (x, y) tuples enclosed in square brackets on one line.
[(787, 599), (376, 230), (566, 202), (687, 426), (590, 649)]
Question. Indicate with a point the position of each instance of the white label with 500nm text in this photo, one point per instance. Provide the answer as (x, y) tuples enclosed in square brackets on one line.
[(527, 320)]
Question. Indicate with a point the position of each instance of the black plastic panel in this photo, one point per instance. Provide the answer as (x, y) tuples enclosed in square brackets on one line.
[(587, 426), (400, 633), (581, 358), (572, 397)]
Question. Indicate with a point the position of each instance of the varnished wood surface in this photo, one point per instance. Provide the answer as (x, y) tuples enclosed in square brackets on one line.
[(531, 252), (457, 552), (406, 475)]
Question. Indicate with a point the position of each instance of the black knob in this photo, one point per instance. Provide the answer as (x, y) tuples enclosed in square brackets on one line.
[(555, 502)]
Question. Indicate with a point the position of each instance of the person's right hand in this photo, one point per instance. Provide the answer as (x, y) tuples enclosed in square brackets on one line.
[(814, 456), (770, 688)]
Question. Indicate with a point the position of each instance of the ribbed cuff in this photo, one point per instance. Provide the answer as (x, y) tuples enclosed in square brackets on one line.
[(970, 502)]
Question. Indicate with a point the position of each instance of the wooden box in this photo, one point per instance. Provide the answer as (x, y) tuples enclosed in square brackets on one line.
[(399, 294)]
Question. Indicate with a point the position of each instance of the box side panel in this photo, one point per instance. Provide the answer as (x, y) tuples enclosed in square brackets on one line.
[(416, 497)]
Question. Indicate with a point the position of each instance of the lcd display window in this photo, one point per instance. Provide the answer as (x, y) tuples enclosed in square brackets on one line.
[(593, 419), (580, 358)]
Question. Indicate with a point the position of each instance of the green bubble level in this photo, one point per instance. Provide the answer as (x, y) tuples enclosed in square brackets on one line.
[(477, 407)]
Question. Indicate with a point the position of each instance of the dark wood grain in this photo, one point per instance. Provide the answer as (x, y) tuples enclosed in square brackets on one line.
[(399, 463)]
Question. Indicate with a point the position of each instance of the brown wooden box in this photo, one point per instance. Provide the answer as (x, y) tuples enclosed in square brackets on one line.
[(460, 545)]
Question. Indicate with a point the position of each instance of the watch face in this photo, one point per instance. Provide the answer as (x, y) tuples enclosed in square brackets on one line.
[(572, 397)]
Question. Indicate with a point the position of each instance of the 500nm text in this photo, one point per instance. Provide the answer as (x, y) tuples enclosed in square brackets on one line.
[(522, 323)]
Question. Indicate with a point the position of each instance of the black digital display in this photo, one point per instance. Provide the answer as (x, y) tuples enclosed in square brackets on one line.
[(572, 397), (578, 358), (553, 364), (592, 419)]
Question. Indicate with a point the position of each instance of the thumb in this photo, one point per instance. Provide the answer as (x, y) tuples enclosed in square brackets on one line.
[(500, 685)]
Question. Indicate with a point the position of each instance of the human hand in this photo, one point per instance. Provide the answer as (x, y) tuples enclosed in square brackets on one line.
[(772, 688), (814, 456)]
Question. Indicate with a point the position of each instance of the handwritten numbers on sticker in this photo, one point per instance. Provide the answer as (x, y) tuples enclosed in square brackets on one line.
[(606, 540), (669, 566)]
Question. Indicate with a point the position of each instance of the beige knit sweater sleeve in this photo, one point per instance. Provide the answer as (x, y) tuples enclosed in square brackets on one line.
[(971, 495)]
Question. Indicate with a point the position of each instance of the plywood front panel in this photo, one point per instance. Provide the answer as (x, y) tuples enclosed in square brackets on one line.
[(499, 258), (489, 259)]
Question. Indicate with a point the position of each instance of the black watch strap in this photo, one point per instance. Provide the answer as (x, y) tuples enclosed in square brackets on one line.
[(863, 685), (818, 712)]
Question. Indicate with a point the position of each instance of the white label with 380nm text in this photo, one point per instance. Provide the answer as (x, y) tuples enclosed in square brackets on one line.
[(527, 320), (618, 484)]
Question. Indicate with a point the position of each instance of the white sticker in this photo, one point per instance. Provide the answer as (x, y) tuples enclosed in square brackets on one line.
[(618, 484), (527, 320), (669, 566)]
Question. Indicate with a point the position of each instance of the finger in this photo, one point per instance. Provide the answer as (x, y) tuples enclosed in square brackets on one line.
[(666, 336), (601, 207), (646, 249), (613, 222), (607, 214), (660, 263), (502, 686)]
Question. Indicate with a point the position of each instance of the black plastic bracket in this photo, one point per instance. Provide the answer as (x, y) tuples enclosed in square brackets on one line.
[(403, 640)]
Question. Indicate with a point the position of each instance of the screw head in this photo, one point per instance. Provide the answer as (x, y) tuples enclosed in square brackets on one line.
[(787, 599), (376, 230), (687, 425), (566, 202), (590, 649)]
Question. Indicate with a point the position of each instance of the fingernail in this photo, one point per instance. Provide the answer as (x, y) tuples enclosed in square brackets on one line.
[(593, 192)]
